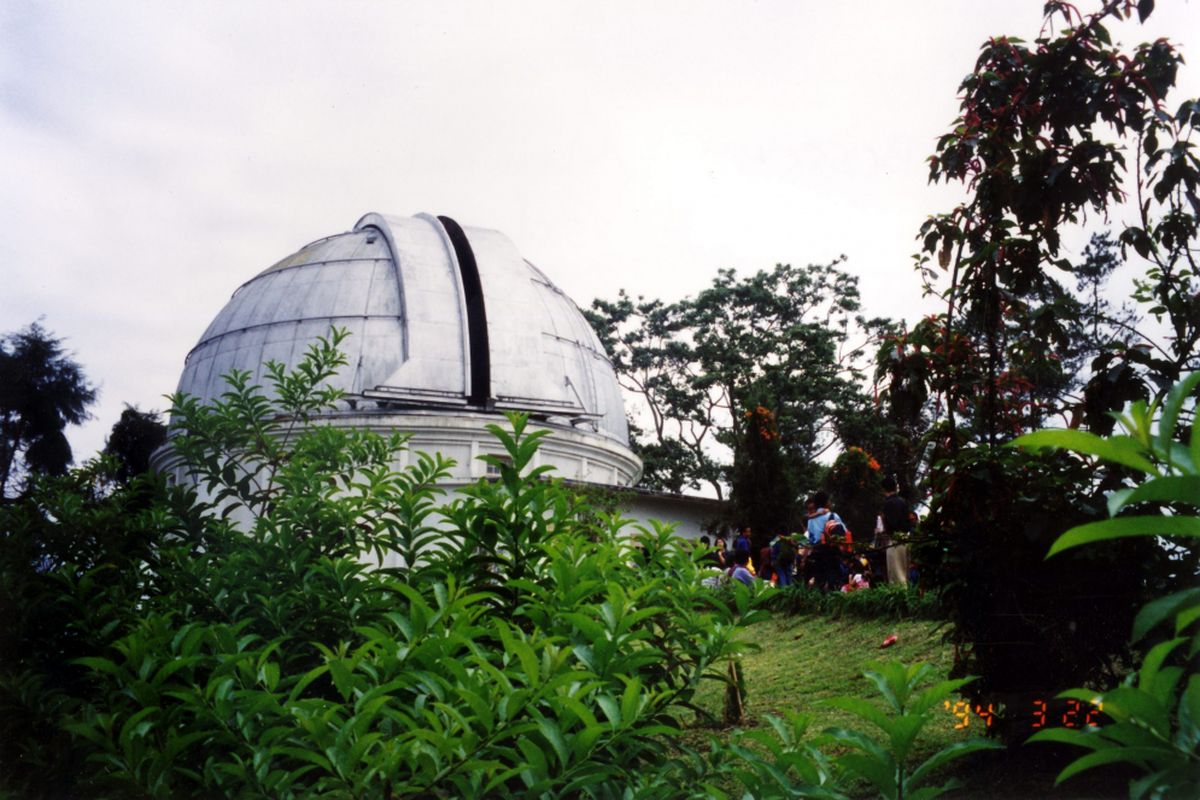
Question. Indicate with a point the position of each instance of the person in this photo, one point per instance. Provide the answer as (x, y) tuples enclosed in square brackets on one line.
[(742, 542), (724, 556), (766, 564), (825, 560), (739, 572), (784, 558), (818, 511), (897, 521)]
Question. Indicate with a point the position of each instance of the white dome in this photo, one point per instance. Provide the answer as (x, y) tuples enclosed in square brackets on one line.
[(441, 317)]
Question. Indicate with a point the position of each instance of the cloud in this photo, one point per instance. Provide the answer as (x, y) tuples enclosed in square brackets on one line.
[(154, 156)]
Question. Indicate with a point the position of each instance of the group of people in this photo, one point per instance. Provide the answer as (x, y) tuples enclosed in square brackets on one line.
[(823, 555)]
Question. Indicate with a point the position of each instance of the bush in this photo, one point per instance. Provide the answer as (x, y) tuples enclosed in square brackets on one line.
[(888, 601), (1020, 622), (167, 646), (1154, 716), (518, 652)]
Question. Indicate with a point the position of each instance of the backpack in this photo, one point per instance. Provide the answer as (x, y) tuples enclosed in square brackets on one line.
[(835, 531)]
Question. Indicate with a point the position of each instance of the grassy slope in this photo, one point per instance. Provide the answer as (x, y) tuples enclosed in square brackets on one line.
[(804, 660)]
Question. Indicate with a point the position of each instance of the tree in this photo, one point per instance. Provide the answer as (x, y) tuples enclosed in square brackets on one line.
[(763, 491), (42, 390), (134, 438), (1043, 139), (855, 486), (693, 366)]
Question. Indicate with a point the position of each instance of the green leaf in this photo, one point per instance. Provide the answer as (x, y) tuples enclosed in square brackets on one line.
[(611, 709), (554, 736), (1089, 738), (99, 664), (1152, 666), (1118, 449), (1138, 756), (860, 740), (1188, 735), (1117, 500), (1156, 611), (1165, 489), (137, 725), (1123, 527), (880, 773), (863, 709), (947, 754), (1125, 703), (941, 690), (903, 730)]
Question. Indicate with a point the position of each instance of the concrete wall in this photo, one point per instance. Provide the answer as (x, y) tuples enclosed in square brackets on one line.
[(691, 515)]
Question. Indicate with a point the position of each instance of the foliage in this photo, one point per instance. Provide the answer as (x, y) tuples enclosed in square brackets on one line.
[(855, 486), (778, 762), (885, 762), (888, 601), (71, 558), (133, 439), (1155, 713), (1043, 137), (172, 646), (695, 364), (257, 654), (762, 488), (42, 390), (1021, 623)]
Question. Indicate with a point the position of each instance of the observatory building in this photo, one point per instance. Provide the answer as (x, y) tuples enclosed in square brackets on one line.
[(450, 327)]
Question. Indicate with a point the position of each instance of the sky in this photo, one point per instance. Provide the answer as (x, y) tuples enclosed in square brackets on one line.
[(155, 156)]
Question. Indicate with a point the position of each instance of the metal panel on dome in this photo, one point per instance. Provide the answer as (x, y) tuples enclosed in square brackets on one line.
[(527, 366), (278, 313), (436, 363), (397, 285), (587, 369)]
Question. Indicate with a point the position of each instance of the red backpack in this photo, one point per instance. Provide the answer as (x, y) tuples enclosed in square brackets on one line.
[(836, 533)]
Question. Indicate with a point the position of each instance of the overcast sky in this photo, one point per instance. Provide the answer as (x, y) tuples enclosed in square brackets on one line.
[(156, 155)]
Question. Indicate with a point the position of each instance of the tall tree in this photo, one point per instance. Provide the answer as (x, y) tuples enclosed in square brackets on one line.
[(42, 390), (134, 438), (1043, 144), (762, 488), (693, 366), (1043, 138)]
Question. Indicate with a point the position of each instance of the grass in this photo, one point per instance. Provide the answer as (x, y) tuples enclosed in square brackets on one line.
[(802, 661)]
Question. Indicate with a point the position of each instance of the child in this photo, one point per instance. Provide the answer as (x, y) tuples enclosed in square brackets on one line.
[(739, 572)]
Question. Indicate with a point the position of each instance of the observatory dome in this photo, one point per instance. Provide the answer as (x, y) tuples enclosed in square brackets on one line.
[(449, 326)]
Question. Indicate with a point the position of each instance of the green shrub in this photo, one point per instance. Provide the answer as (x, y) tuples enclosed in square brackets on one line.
[(884, 762), (527, 648), (888, 601), (1155, 713), (164, 645), (1024, 624)]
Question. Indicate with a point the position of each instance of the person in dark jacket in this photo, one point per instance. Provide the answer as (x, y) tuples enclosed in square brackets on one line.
[(897, 520)]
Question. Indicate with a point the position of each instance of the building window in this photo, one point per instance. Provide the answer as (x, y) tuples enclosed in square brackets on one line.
[(493, 470)]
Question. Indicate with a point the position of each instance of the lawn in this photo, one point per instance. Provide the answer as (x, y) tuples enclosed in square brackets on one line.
[(801, 661)]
